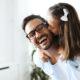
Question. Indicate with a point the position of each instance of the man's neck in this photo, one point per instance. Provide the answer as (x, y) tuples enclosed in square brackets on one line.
[(53, 50)]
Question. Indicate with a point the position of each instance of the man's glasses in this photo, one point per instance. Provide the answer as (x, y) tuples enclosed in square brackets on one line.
[(39, 28)]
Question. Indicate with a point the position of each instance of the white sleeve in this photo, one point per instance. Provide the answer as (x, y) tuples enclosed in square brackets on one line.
[(47, 67), (37, 60)]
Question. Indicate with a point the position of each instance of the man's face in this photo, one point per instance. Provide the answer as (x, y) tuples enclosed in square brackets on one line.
[(39, 34)]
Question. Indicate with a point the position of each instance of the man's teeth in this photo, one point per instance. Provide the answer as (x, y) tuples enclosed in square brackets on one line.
[(42, 39)]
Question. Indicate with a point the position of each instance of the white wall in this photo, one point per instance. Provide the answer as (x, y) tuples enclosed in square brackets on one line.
[(7, 40), (41, 6), (14, 47)]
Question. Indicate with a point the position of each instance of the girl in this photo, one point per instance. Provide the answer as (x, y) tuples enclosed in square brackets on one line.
[(65, 24)]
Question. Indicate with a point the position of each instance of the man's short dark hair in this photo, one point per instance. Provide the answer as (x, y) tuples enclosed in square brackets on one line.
[(31, 17)]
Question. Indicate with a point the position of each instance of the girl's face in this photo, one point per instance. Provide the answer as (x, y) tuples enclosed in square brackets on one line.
[(54, 24)]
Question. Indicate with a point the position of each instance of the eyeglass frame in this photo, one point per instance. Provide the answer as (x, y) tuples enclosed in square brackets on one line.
[(37, 29)]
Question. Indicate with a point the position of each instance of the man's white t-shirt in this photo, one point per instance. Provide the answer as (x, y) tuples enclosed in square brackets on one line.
[(62, 70)]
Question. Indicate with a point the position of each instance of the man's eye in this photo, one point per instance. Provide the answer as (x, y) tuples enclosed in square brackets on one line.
[(32, 34), (40, 27)]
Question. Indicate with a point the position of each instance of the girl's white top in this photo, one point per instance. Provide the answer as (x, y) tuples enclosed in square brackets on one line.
[(62, 70)]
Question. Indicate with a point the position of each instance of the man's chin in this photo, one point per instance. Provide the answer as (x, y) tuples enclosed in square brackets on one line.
[(45, 47)]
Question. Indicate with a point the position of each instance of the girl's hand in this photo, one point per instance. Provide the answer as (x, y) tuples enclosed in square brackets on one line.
[(43, 56)]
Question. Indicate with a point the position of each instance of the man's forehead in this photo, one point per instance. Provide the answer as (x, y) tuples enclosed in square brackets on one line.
[(32, 24)]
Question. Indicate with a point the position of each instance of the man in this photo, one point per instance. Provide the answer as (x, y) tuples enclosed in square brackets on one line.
[(36, 29)]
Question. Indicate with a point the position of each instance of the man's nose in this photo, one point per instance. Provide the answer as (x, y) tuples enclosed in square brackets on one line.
[(37, 34)]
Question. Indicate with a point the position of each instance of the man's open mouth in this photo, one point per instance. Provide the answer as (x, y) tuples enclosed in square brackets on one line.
[(43, 40)]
